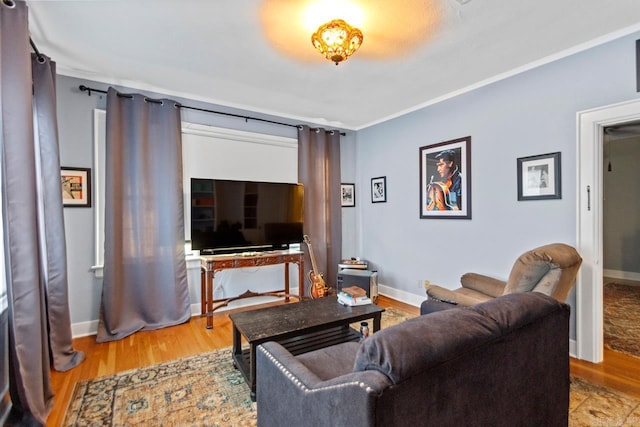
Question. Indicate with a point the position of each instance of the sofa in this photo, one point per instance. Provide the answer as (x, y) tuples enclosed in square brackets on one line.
[(504, 362)]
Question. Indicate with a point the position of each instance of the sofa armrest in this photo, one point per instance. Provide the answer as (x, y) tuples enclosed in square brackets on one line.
[(288, 393), (484, 284)]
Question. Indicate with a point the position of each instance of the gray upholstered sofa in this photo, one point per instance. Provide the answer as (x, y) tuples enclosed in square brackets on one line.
[(504, 362)]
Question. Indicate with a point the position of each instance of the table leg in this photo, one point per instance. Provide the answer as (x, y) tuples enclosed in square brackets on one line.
[(376, 322), (203, 290), (237, 342), (286, 281), (210, 275), (301, 278), (252, 370)]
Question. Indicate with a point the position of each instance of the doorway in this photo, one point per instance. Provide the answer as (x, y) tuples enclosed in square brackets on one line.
[(590, 149), (621, 238)]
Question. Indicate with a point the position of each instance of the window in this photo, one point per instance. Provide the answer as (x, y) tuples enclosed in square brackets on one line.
[(207, 152)]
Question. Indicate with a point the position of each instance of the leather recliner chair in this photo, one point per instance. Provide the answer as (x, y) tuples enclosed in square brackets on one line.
[(549, 269)]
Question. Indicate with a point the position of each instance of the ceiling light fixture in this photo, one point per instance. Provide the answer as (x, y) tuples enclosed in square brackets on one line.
[(336, 40)]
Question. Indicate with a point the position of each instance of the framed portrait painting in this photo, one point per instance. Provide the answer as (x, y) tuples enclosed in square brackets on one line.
[(539, 177), (445, 179), (347, 195), (379, 189), (76, 187)]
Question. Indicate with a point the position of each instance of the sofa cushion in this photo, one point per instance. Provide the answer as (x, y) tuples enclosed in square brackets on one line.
[(387, 351), (340, 355)]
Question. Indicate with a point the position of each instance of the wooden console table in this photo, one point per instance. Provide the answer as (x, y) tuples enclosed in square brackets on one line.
[(210, 264)]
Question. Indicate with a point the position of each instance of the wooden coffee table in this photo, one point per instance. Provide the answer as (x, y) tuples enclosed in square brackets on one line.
[(300, 327)]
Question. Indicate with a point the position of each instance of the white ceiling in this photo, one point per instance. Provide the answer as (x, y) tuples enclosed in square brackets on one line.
[(257, 55)]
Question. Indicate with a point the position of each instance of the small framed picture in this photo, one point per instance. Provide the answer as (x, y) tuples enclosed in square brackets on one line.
[(539, 177), (76, 187), (348, 195), (379, 189)]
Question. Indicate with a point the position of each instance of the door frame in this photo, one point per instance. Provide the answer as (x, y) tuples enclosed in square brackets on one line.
[(589, 196)]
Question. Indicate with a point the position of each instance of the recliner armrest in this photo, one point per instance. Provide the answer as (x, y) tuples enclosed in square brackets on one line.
[(439, 293), (464, 297), (484, 284)]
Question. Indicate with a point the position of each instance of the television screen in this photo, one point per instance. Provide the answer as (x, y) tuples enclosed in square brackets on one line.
[(232, 216)]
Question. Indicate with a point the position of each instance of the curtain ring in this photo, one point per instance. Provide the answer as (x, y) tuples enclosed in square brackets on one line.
[(9, 3), (317, 130), (154, 101), (333, 132)]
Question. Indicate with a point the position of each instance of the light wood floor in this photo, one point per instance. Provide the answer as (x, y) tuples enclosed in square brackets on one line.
[(619, 372)]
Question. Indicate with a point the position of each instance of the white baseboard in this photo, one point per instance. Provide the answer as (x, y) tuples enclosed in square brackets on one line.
[(84, 329), (402, 296), (624, 275)]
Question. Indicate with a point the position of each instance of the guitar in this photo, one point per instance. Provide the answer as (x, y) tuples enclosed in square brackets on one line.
[(318, 287)]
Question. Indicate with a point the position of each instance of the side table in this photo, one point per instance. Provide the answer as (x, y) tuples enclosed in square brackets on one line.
[(210, 264)]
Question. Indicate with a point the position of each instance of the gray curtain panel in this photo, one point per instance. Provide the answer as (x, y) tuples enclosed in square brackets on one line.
[(145, 273), (33, 232), (319, 172), (30, 384), (52, 243)]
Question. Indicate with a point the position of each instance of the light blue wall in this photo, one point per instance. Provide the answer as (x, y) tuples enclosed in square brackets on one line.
[(528, 114)]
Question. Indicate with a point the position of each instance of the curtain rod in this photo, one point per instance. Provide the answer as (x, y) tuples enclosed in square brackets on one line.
[(87, 89), (35, 49)]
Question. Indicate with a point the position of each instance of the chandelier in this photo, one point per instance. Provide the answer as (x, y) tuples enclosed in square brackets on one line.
[(336, 40)]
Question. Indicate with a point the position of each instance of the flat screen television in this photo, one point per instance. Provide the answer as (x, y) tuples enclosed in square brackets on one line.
[(230, 216)]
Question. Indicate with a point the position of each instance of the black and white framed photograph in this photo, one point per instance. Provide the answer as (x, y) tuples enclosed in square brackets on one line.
[(347, 195), (539, 177), (379, 189), (76, 187), (445, 179)]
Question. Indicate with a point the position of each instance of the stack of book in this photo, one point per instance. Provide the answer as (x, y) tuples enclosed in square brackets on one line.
[(353, 295)]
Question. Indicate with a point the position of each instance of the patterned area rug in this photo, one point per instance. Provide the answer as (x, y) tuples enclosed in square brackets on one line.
[(206, 390), (622, 318), (592, 405), (196, 391)]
